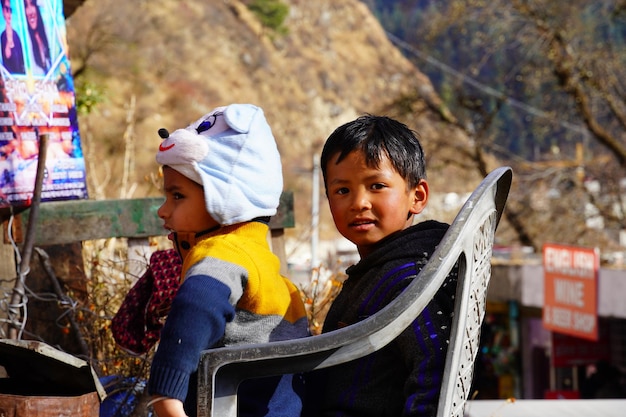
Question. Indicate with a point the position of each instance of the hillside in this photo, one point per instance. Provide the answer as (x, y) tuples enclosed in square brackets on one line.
[(180, 59)]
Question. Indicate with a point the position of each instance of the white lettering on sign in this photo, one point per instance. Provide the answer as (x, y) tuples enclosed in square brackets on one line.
[(569, 292), (557, 259), (572, 262), (584, 260), (584, 322), (562, 317)]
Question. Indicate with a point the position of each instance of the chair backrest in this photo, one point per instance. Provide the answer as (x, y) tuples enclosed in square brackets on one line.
[(469, 240)]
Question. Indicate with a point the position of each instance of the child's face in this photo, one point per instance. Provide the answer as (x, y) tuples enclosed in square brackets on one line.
[(184, 208), (369, 204)]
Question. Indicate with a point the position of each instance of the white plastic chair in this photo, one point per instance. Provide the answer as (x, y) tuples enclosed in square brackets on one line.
[(469, 240)]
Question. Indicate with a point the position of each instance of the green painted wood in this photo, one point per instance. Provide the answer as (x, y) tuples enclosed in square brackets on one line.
[(61, 222), (70, 221)]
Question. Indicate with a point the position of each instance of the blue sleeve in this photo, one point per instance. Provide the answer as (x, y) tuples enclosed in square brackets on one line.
[(424, 345), (196, 322)]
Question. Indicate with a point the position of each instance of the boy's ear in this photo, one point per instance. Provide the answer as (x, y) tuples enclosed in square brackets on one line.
[(420, 197)]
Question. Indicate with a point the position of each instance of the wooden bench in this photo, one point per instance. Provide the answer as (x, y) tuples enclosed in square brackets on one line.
[(77, 220), (62, 226), (469, 241), (63, 222)]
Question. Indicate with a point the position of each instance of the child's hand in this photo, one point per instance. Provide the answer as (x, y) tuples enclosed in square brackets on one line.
[(169, 407)]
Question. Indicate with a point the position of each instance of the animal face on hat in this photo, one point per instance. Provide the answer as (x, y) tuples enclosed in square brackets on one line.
[(232, 153)]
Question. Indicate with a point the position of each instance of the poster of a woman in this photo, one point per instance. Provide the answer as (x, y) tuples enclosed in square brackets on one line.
[(12, 51), (40, 48)]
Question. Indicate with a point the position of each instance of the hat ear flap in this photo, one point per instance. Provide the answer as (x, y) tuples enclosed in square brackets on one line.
[(239, 117)]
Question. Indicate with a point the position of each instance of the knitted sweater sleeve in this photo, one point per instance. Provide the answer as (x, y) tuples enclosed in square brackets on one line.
[(423, 345), (196, 322)]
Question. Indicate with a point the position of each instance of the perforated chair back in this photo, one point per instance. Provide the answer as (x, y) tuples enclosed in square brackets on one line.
[(469, 240)]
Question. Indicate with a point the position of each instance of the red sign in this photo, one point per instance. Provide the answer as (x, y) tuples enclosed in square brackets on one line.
[(561, 395), (570, 290), (573, 351)]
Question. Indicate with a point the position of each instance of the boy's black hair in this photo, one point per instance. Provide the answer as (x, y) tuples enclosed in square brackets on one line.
[(376, 136)]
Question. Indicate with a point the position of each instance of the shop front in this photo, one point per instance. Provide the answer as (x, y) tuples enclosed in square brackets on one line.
[(524, 358)]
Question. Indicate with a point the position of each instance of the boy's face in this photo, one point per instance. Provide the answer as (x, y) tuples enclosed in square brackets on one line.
[(184, 208), (369, 204)]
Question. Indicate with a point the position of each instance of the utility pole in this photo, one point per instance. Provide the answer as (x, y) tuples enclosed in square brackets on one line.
[(315, 212)]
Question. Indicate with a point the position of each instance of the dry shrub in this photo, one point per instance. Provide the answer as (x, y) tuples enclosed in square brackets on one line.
[(319, 294)]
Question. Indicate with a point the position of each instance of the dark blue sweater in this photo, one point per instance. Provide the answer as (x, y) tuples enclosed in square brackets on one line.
[(403, 378)]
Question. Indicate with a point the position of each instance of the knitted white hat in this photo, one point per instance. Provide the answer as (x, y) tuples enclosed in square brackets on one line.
[(232, 153)]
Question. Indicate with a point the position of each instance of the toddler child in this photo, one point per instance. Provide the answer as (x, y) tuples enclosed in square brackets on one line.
[(222, 181)]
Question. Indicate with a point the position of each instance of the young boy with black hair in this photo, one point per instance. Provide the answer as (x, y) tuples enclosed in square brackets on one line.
[(222, 181), (375, 179)]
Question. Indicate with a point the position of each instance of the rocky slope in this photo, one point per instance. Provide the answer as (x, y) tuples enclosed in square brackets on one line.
[(179, 59)]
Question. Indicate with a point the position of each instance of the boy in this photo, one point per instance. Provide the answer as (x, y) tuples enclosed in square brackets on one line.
[(375, 179), (222, 181)]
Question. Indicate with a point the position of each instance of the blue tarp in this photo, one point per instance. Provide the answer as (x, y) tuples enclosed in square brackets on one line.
[(122, 395)]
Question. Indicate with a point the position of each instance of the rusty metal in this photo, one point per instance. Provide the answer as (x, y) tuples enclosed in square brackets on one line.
[(87, 405), (45, 382)]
